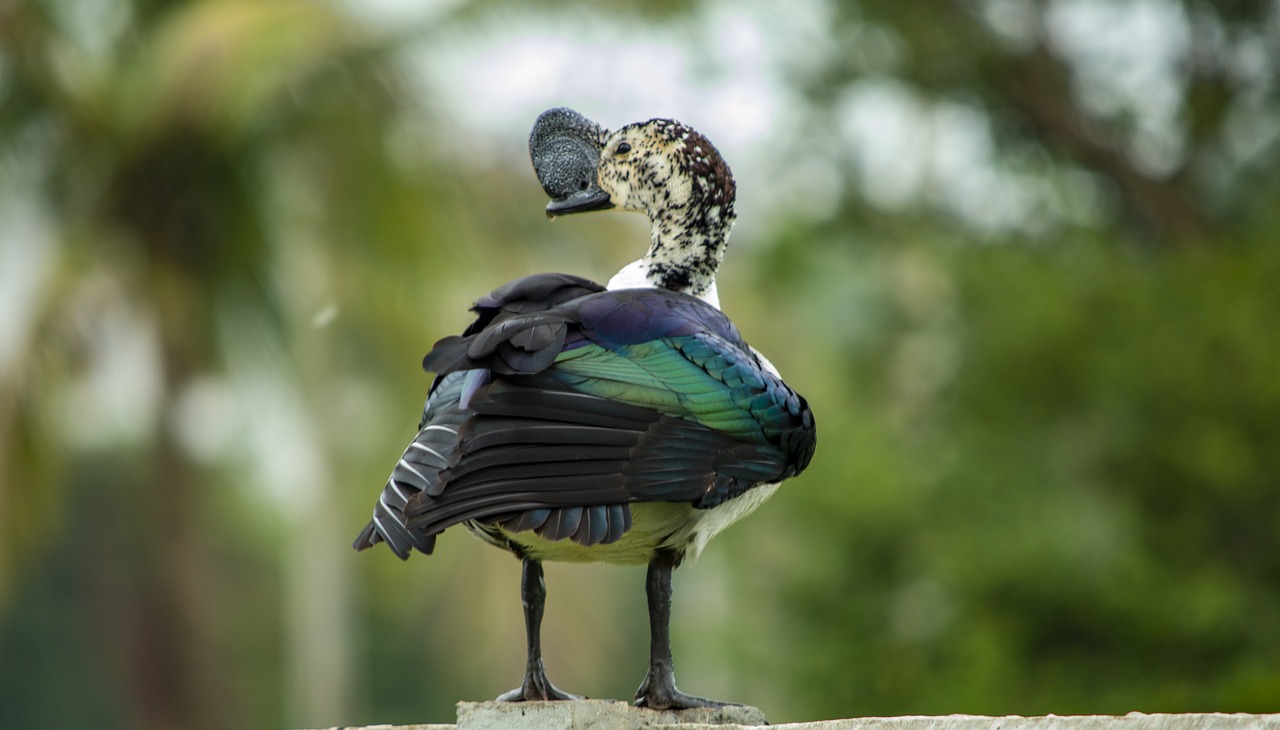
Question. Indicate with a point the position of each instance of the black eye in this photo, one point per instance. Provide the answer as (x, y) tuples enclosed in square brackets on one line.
[(623, 148)]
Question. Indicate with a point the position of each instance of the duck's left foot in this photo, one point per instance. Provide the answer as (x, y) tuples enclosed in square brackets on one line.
[(536, 687), (663, 695)]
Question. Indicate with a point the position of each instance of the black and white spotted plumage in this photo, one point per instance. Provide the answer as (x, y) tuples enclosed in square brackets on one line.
[(675, 176)]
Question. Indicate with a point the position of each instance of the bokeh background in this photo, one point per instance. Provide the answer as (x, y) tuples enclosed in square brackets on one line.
[(1023, 258)]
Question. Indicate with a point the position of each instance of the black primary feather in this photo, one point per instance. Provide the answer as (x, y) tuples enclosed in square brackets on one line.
[(531, 449)]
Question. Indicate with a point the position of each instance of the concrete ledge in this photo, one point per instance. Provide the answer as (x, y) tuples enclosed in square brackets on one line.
[(618, 715), (1132, 721), (597, 715)]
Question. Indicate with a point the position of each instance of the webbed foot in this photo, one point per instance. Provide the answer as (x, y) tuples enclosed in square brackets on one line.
[(663, 695), (536, 687)]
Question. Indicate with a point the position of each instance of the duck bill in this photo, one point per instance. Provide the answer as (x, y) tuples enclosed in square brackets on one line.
[(582, 202)]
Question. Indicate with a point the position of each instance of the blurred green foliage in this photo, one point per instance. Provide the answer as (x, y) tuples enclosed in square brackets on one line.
[(1070, 507), (1046, 479)]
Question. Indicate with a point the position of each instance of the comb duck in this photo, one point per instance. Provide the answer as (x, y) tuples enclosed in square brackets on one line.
[(627, 424)]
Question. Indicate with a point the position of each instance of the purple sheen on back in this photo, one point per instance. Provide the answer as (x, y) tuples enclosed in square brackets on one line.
[(632, 316)]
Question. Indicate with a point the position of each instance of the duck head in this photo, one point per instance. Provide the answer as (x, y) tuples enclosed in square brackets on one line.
[(668, 171), (662, 168)]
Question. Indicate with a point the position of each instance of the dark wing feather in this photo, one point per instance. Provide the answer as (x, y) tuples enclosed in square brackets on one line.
[(547, 458), (418, 471), (530, 294), (574, 406), (445, 409)]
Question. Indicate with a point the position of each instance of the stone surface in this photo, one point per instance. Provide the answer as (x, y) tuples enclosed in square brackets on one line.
[(597, 715), (611, 715), (429, 726), (1132, 721)]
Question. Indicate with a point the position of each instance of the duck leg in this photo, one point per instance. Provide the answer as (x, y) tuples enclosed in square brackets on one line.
[(658, 691), (536, 686)]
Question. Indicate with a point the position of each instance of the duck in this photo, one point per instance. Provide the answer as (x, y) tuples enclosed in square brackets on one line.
[(627, 423)]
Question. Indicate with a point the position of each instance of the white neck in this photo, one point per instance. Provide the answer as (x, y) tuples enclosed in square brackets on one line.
[(686, 245), (635, 275)]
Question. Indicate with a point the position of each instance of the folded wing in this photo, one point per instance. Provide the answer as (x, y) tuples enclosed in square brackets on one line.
[(564, 413)]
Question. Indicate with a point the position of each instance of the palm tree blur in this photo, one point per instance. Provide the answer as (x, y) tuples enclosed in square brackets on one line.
[(1020, 256)]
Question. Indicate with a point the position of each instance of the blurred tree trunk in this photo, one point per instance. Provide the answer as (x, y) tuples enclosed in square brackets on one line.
[(161, 601), (1029, 86), (1040, 93), (152, 149)]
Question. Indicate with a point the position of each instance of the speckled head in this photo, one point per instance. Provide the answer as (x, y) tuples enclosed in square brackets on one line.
[(661, 168), (666, 169)]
